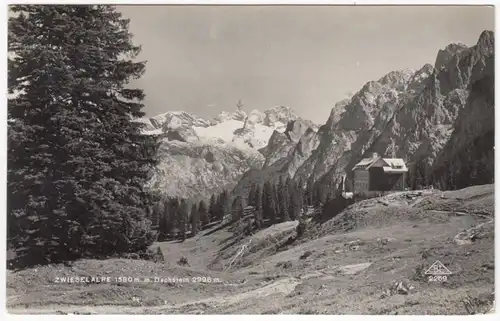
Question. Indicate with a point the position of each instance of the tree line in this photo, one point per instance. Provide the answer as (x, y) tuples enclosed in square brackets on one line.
[(269, 203), (174, 217)]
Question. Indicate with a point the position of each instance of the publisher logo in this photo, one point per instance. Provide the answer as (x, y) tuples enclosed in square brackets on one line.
[(438, 272)]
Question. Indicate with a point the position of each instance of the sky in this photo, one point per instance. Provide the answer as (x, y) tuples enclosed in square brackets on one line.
[(203, 59)]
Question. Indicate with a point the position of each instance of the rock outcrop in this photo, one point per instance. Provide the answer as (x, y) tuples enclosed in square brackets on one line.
[(196, 169), (424, 125), (468, 156), (364, 117)]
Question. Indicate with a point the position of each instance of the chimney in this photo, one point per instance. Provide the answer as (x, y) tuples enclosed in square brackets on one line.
[(374, 155)]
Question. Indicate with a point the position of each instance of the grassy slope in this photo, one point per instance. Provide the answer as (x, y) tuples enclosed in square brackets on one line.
[(395, 243)]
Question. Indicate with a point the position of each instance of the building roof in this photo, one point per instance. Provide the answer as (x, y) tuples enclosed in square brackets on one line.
[(395, 162), (388, 169), (365, 162), (393, 165)]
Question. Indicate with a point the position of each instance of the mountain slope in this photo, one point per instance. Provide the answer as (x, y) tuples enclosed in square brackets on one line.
[(418, 124), (468, 156), (364, 117), (420, 130), (196, 170), (283, 155)]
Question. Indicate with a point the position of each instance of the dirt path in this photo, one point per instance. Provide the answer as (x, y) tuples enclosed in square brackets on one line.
[(283, 286)]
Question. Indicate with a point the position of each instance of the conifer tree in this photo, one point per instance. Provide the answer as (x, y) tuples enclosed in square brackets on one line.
[(213, 208), (225, 205), (259, 221), (309, 192), (237, 209), (202, 209), (276, 203), (77, 162), (157, 209), (165, 223), (162, 227), (182, 218), (268, 202), (195, 220), (251, 195), (285, 199), (317, 196), (295, 200)]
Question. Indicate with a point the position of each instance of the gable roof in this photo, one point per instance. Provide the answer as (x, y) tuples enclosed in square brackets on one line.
[(364, 163), (388, 164), (395, 162)]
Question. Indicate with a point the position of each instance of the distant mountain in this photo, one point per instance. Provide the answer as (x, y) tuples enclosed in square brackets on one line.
[(199, 157)]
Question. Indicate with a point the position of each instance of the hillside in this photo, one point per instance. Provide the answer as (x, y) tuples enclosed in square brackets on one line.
[(370, 259)]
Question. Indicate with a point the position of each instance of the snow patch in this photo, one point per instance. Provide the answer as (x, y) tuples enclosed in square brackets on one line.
[(224, 130)]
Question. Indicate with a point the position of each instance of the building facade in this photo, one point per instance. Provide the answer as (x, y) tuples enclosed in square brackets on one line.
[(380, 174)]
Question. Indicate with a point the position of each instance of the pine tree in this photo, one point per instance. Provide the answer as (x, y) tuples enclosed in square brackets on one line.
[(224, 205), (165, 223), (237, 209), (276, 203), (309, 192), (157, 209), (303, 199), (219, 207), (295, 200), (285, 199), (195, 220), (182, 218), (268, 202), (162, 226), (202, 209), (213, 209), (239, 105), (259, 220), (317, 197), (251, 195), (77, 162)]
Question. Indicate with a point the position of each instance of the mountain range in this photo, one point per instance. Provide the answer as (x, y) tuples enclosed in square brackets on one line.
[(439, 118), (199, 157)]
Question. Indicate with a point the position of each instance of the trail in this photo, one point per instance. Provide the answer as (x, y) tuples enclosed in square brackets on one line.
[(283, 286)]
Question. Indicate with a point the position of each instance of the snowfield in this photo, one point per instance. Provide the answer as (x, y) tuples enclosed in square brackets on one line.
[(255, 135)]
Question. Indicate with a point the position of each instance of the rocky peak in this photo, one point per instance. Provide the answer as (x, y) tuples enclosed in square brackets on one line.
[(254, 117), (276, 114), (486, 42), (176, 119), (365, 104), (225, 116), (418, 80), (296, 128), (397, 79), (337, 111), (445, 55)]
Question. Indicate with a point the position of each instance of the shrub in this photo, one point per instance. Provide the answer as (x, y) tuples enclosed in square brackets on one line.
[(305, 255), (183, 261)]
